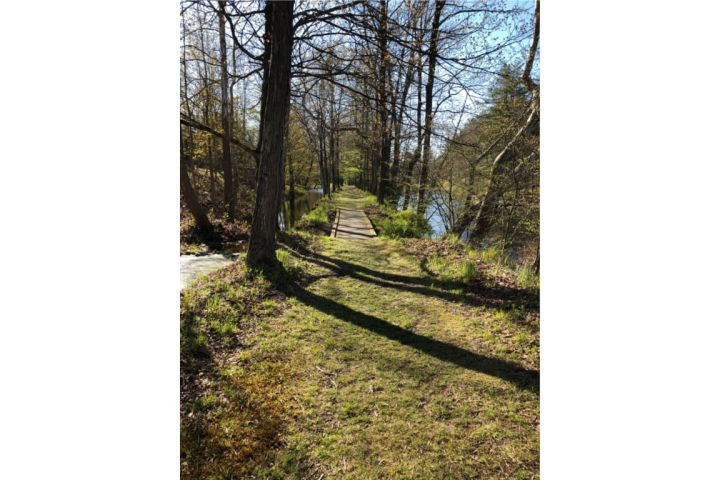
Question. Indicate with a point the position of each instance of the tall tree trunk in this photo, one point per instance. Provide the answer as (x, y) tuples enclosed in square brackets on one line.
[(261, 251), (382, 106), (466, 216), (432, 59), (267, 44), (503, 161), (228, 189), (398, 123), (418, 147), (409, 73), (203, 225)]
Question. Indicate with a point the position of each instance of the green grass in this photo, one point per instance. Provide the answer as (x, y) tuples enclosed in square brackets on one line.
[(374, 365), (319, 217)]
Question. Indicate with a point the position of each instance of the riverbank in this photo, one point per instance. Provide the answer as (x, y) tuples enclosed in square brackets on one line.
[(362, 359)]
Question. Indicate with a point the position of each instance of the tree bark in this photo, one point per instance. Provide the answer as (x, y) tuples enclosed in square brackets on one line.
[(261, 251)]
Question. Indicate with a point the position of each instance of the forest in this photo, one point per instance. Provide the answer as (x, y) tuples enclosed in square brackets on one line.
[(419, 103), (366, 175)]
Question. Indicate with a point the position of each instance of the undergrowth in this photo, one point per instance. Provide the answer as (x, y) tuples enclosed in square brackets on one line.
[(221, 402), (320, 218)]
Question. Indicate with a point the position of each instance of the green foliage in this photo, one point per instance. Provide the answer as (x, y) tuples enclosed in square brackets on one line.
[(318, 217), (451, 270), (404, 224), (315, 218), (491, 254), (527, 278), (283, 257), (468, 270)]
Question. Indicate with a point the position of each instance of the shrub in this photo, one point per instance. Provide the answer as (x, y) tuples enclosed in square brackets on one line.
[(404, 224)]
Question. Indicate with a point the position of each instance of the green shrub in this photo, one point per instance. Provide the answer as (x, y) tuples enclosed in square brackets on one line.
[(404, 224)]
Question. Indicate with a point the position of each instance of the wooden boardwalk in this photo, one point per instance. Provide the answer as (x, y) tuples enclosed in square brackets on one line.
[(352, 223)]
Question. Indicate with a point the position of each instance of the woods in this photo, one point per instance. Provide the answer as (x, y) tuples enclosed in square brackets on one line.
[(360, 210), (407, 100)]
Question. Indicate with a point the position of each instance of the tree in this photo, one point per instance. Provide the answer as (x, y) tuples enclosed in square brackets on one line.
[(228, 188), (270, 182), (507, 156), (432, 60), (189, 195)]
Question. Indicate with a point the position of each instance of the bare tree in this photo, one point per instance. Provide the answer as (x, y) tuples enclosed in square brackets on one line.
[(432, 60)]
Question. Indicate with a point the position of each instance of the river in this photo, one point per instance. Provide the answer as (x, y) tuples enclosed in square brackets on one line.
[(304, 202)]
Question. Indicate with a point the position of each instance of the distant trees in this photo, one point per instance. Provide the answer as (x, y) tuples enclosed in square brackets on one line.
[(375, 91), (508, 156)]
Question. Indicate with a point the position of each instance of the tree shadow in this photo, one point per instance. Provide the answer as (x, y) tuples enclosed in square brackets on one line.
[(518, 375), (482, 296)]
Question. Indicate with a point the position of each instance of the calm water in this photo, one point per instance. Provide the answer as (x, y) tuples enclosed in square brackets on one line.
[(304, 202), (433, 214)]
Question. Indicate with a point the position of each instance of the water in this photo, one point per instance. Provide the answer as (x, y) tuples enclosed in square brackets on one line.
[(304, 202), (433, 214)]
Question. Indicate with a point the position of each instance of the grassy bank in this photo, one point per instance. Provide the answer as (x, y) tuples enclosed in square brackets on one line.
[(364, 359)]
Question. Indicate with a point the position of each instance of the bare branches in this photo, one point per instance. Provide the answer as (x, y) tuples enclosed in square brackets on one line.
[(189, 122), (533, 49)]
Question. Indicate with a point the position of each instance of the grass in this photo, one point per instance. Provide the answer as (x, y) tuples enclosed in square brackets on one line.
[(319, 219), (374, 362), (220, 401)]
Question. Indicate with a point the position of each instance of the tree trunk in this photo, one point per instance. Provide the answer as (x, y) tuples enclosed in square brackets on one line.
[(418, 148), (267, 43), (382, 107), (432, 59), (203, 225), (228, 189), (261, 251)]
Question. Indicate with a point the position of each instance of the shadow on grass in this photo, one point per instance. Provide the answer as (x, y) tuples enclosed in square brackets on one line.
[(521, 377), (477, 294), (482, 296)]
